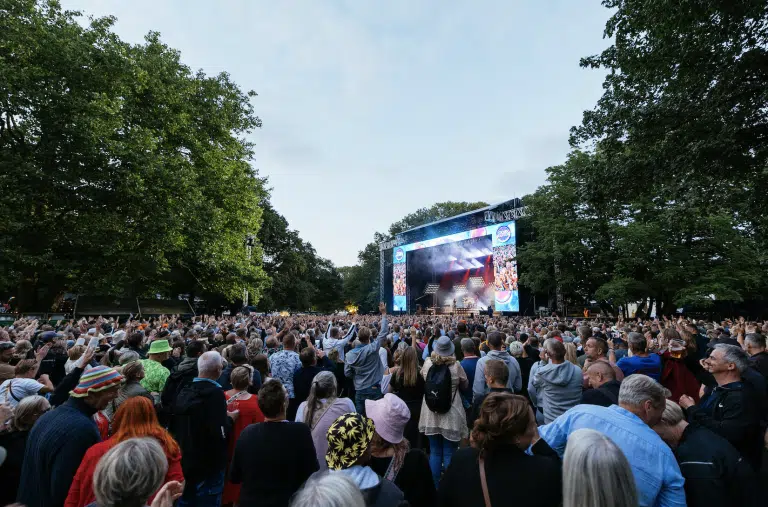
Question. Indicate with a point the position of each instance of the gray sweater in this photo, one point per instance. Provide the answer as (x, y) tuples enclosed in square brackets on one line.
[(362, 363), (558, 388)]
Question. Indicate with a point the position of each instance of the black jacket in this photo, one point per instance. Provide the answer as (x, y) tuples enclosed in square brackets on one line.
[(414, 478), (605, 395), (760, 363), (272, 460), (201, 427), (384, 494), (14, 443), (179, 378), (715, 473), (731, 411), (302, 379), (540, 473)]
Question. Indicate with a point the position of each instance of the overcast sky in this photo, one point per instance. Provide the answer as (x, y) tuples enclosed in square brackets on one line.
[(373, 109)]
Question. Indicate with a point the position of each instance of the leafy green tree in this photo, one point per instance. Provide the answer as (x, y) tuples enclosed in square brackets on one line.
[(682, 124), (121, 171), (435, 212)]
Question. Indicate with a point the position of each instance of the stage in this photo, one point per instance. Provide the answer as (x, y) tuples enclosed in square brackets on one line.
[(463, 265)]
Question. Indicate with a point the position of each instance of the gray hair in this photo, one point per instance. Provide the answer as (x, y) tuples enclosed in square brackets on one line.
[(673, 414), (638, 388), (130, 473), (596, 472), (734, 354), (637, 342), (323, 387), (331, 489), (515, 349), (756, 340), (28, 411), (128, 356), (209, 363), (555, 349), (468, 345)]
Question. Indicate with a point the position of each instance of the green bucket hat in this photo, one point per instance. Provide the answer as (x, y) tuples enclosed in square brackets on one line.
[(159, 347)]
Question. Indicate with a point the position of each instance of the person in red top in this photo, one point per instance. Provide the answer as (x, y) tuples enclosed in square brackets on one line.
[(135, 418), (238, 398)]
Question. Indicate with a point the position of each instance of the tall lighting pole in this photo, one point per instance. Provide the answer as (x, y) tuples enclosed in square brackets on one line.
[(249, 239)]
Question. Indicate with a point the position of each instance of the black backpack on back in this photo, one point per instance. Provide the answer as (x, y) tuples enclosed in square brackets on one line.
[(437, 389)]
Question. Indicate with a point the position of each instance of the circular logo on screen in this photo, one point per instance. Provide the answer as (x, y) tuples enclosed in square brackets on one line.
[(399, 254), (503, 234), (503, 297)]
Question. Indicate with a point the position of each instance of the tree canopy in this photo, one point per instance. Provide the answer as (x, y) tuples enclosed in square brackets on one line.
[(663, 197), (122, 171)]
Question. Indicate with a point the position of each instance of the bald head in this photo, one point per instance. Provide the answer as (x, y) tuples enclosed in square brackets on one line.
[(599, 373)]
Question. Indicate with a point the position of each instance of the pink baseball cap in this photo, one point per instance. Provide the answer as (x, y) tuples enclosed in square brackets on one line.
[(390, 415)]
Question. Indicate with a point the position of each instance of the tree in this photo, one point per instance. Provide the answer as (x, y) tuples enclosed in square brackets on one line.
[(678, 170), (121, 171), (435, 212)]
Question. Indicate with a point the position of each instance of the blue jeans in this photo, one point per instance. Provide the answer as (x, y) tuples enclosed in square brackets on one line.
[(206, 493), (440, 454), (369, 393)]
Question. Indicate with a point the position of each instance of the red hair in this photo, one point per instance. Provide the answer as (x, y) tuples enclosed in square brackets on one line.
[(136, 417)]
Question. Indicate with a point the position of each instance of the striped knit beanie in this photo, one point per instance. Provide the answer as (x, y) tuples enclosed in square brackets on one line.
[(96, 379)]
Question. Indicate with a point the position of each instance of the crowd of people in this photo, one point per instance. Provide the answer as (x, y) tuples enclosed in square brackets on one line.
[(353, 411)]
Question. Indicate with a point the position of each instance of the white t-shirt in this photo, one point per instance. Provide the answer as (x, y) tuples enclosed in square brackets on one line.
[(21, 388), (303, 406)]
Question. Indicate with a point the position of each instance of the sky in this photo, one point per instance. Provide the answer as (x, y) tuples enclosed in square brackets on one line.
[(373, 109)]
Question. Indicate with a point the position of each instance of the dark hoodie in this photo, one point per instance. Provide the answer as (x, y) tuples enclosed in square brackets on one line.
[(201, 427), (178, 379)]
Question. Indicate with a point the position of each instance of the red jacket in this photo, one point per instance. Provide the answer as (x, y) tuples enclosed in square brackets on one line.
[(81, 490)]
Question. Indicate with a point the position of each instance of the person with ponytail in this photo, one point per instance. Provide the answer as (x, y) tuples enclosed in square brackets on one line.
[(496, 465), (321, 409), (135, 418)]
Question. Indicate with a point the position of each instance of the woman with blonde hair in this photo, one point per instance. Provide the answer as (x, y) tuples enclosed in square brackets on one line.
[(570, 353), (239, 399), (408, 384), (596, 473)]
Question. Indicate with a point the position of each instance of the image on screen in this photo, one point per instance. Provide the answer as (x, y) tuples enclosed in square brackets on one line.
[(470, 270)]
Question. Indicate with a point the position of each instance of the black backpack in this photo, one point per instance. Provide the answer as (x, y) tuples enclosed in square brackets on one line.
[(437, 389)]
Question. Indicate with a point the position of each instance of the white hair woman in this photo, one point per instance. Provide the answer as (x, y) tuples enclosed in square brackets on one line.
[(596, 473), (27, 412), (329, 490), (130, 472), (321, 409)]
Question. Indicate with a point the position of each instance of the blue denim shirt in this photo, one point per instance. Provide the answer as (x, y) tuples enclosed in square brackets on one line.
[(657, 475)]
